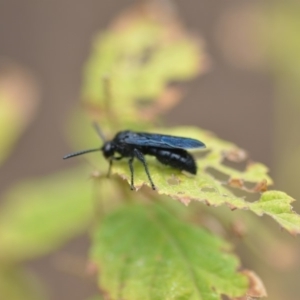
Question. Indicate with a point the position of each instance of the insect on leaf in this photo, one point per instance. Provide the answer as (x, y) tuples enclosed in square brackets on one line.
[(208, 188)]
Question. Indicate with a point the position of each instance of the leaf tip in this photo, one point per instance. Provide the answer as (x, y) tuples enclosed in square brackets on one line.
[(256, 286)]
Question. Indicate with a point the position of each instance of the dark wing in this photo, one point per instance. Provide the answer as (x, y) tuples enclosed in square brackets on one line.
[(161, 141)]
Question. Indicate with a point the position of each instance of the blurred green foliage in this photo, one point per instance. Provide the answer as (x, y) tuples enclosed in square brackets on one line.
[(131, 82), (281, 36), (17, 284), (40, 215)]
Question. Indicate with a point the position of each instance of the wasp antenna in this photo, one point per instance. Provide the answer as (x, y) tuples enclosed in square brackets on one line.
[(99, 131), (80, 153)]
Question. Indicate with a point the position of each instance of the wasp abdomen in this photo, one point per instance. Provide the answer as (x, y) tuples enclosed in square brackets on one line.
[(176, 158)]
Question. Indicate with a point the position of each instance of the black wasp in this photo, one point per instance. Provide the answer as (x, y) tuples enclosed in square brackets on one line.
[(169, 150)]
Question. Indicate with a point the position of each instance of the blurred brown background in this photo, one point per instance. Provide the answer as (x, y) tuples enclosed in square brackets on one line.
[(235, 98)]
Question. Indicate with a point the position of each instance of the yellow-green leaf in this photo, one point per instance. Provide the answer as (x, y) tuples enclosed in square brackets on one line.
[(204, 185), (208, 188)]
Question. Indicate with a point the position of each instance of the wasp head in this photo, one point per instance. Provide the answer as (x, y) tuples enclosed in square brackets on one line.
[(108, 149)]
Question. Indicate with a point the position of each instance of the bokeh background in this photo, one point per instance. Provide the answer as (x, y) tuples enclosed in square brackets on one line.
[(249, 95)]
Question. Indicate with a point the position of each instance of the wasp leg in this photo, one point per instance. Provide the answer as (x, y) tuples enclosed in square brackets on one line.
[(111, 159), (139, 155), (131, 171)]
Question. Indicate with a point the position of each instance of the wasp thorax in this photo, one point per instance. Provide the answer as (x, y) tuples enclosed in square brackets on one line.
[(108, 149)]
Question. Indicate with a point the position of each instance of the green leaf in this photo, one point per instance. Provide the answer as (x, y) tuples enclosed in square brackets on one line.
[(40, 215), (143, 252), (16, 284)]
